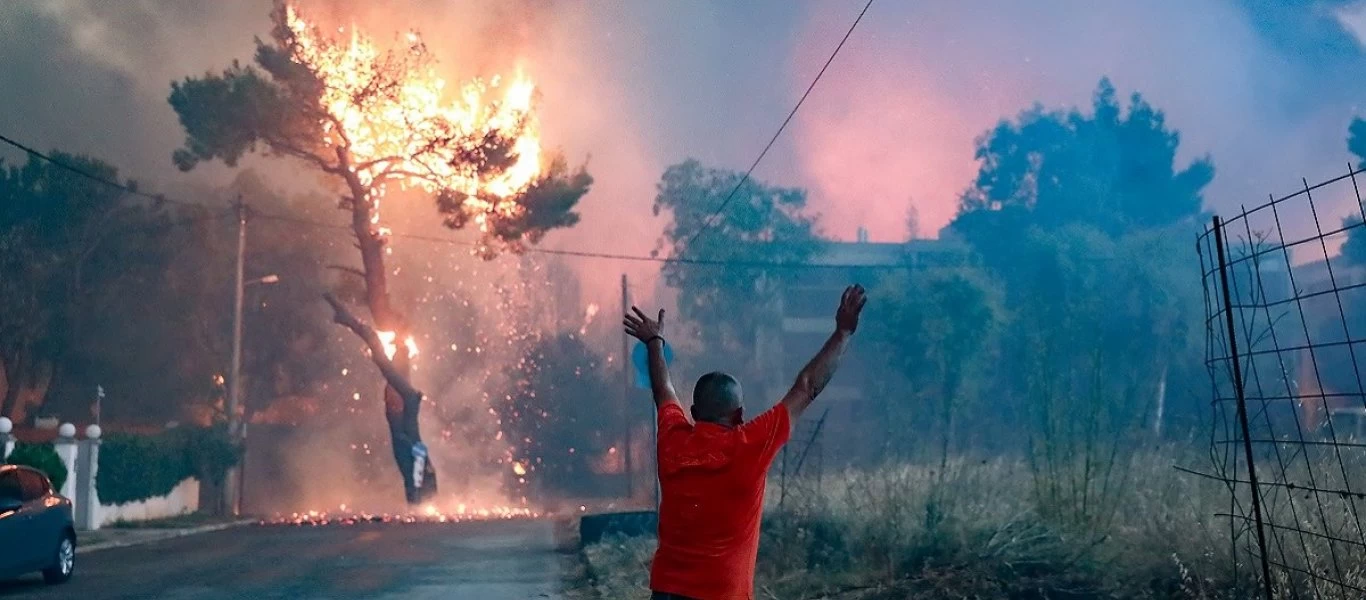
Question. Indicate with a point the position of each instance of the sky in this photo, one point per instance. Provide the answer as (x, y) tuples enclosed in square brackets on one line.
[(1266, 88)]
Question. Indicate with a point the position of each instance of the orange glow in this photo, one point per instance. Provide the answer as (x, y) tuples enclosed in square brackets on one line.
[(391, 348), (518, 469), (428, 513), (398, 124)]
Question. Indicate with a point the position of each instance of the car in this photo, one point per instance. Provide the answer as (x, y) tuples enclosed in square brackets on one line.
[(37, 529)]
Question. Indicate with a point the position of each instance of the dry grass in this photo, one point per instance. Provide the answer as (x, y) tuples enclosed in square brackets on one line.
[(979, 531)]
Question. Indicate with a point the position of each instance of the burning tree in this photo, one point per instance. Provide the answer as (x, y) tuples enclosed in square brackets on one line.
[(367, 118)]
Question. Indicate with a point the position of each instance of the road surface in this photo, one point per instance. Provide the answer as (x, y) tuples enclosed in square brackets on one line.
[(497, 560)]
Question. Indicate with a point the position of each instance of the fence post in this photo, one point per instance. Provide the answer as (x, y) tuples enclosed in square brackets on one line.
[(1242, 406), (6, 439), (87, 469), (66, 450)]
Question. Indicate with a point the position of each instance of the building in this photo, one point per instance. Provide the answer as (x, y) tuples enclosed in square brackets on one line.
[(805, 308)]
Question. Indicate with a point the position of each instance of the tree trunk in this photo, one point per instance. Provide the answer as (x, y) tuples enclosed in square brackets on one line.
[(13, 383), (400, 410)]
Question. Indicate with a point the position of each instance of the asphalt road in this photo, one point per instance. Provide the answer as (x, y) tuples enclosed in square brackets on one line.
[(498, 560)]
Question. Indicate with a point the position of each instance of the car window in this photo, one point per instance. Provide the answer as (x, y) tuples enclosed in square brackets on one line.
[(32, 485), (9, 486)]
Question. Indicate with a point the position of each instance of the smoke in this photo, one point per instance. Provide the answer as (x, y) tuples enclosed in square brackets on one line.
[(1265, 87), (1261, 86)]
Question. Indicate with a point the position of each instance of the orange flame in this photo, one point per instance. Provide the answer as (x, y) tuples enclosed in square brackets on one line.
[(390, 348), (388, 110)]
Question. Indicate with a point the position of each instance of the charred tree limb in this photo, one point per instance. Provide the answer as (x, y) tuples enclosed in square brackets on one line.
[(392, 376)]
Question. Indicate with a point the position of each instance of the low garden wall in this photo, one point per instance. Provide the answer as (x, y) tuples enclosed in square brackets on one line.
[(127, 477), (183, 499)]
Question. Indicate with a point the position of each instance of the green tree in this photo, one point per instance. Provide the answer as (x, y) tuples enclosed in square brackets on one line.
[(1356, 140), (1354, 247), (558, 417), (1085, 222), (1113, 169), (286, 350), (726, 307), (935, 330), (75, 253), (366, 120)]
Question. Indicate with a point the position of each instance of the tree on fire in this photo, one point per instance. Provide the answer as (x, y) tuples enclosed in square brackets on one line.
[(366, 119)]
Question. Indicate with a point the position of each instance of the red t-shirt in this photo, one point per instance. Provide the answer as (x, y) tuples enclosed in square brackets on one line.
[(712, 495)]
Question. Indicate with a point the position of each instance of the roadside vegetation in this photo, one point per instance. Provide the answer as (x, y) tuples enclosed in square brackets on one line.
[(1043, 402)]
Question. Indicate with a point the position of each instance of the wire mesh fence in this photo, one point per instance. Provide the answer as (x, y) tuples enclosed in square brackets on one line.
[(1285, 308), (801, 462)]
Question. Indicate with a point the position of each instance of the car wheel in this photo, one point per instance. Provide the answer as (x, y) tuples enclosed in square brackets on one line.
[(64, 563)]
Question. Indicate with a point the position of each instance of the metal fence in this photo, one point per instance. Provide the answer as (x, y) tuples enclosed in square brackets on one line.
[(802, 462), (1285, 307)]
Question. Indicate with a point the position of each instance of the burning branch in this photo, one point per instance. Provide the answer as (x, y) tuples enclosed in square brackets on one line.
[(392, 376)]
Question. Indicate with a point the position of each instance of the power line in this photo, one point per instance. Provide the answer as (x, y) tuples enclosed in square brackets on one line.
[(709, 221), (96, 178), (598, 255), (434, 239), (425, 238)]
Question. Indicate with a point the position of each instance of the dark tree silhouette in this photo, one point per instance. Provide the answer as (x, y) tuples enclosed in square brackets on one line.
[(72, 251)]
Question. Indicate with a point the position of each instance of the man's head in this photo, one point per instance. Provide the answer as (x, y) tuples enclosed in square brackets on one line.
[(717, 398)]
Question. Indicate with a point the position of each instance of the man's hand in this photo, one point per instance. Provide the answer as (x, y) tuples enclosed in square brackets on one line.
[(649, 330), (812, 379), (851, 304), (642, 327)]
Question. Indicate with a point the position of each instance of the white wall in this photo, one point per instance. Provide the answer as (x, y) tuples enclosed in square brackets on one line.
[(184, 499)]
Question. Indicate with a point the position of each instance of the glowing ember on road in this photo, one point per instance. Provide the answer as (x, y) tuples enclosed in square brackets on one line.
[(429, 514)]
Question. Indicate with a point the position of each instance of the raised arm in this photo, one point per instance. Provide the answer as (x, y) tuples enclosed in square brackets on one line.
[(812, 379), (651, 332)]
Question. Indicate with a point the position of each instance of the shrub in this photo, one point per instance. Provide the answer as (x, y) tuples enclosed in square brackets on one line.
[(134, 467), (42, 457), (210, 452)]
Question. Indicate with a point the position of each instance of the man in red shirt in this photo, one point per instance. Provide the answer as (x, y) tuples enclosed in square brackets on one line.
[(712, 470)]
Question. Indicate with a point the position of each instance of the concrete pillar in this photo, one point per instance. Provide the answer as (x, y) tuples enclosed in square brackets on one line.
[(87, 500), (6, 438), (66, 450)]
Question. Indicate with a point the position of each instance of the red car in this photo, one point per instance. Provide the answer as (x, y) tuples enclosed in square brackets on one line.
[(37, 531)]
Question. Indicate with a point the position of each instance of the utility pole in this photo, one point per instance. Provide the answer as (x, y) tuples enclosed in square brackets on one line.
[(626, 391), (231, 483)]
